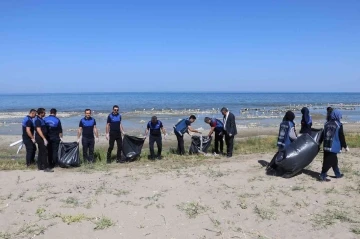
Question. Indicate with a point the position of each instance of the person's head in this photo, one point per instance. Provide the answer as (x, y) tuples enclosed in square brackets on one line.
[(207, 120), (41, 112), (32, 113), (289, 116), (154, 119), (336, 115), (192, 118), (329, 110), (53, 111), (305, 111), (87, 113), (115, 109), (224, 110)]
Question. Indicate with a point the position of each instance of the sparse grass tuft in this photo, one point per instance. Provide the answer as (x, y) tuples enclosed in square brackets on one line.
[(192, 209), (226, 204), (71, 202), (329, 217), (120, 192), (68, 219), (264, 213), (356, 230), (298, 188), (103, 223), (330, 190)]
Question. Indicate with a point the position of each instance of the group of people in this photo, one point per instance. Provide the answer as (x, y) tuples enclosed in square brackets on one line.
[(333, 137), (47, 133)]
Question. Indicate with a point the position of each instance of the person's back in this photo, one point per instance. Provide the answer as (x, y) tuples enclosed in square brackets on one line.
[(287, 132), (54, 127), (306, 121)]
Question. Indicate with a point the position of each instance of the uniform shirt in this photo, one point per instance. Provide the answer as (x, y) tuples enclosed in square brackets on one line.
[(114, 120), (40, 123), (27, 122), (87, 126), (155, 128), (54, 127)]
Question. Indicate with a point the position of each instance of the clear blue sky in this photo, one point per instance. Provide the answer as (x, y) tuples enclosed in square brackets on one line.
[(96, 46)]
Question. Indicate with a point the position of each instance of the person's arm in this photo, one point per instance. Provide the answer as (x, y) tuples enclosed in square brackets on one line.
[(211, 131), (193, 130), (79, 133), (60, 130), (39, 132), (292, 133), (232, 125), (28, 132), (342, 138), (163, 130), (122, 129), (96, 132)]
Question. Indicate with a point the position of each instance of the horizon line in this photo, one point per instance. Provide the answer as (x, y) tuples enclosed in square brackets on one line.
[(184, 92)]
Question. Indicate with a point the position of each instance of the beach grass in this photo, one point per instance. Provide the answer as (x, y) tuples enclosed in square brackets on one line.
[(243, 146)]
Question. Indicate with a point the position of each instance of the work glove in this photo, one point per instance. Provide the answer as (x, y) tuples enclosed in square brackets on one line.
[(145, 137), (97, 139), (45, 142), (165, 136), (107, 136), (61, 139), (347, 149), (230, 135), (33, 140), (78, 140)]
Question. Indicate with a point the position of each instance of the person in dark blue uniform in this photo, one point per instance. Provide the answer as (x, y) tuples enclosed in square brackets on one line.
[(55, 133), (306, 121), (218, 127), (87, 128), (334, 141), (328, 113), (114, 129), (182, 127), (41, 138), (287, 134), (287, 131), (28, 137), (155, 127)]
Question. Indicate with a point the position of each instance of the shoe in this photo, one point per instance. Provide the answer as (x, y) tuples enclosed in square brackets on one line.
[(158, 157), (215, 154), (121, 161), (228, 156), (340, 176), (48, 170), (321, 179)]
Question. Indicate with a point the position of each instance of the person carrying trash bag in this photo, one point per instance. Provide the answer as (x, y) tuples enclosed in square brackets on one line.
[(333, 141), (41, 138), (218, 127), (182, 127), (306, 121), (287, 134), (155, 127)]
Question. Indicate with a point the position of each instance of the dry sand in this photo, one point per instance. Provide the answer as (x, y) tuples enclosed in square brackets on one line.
[(197, 198)]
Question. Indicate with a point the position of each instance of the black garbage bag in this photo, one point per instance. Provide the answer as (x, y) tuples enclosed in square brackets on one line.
[(68, 155), (299, 153), (132, 147), (199, 144)]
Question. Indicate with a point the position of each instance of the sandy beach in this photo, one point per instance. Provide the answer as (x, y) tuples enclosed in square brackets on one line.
[(195, 197)]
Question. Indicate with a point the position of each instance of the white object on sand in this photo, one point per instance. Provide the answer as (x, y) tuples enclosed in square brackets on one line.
[(20, 147), (15, 143)]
